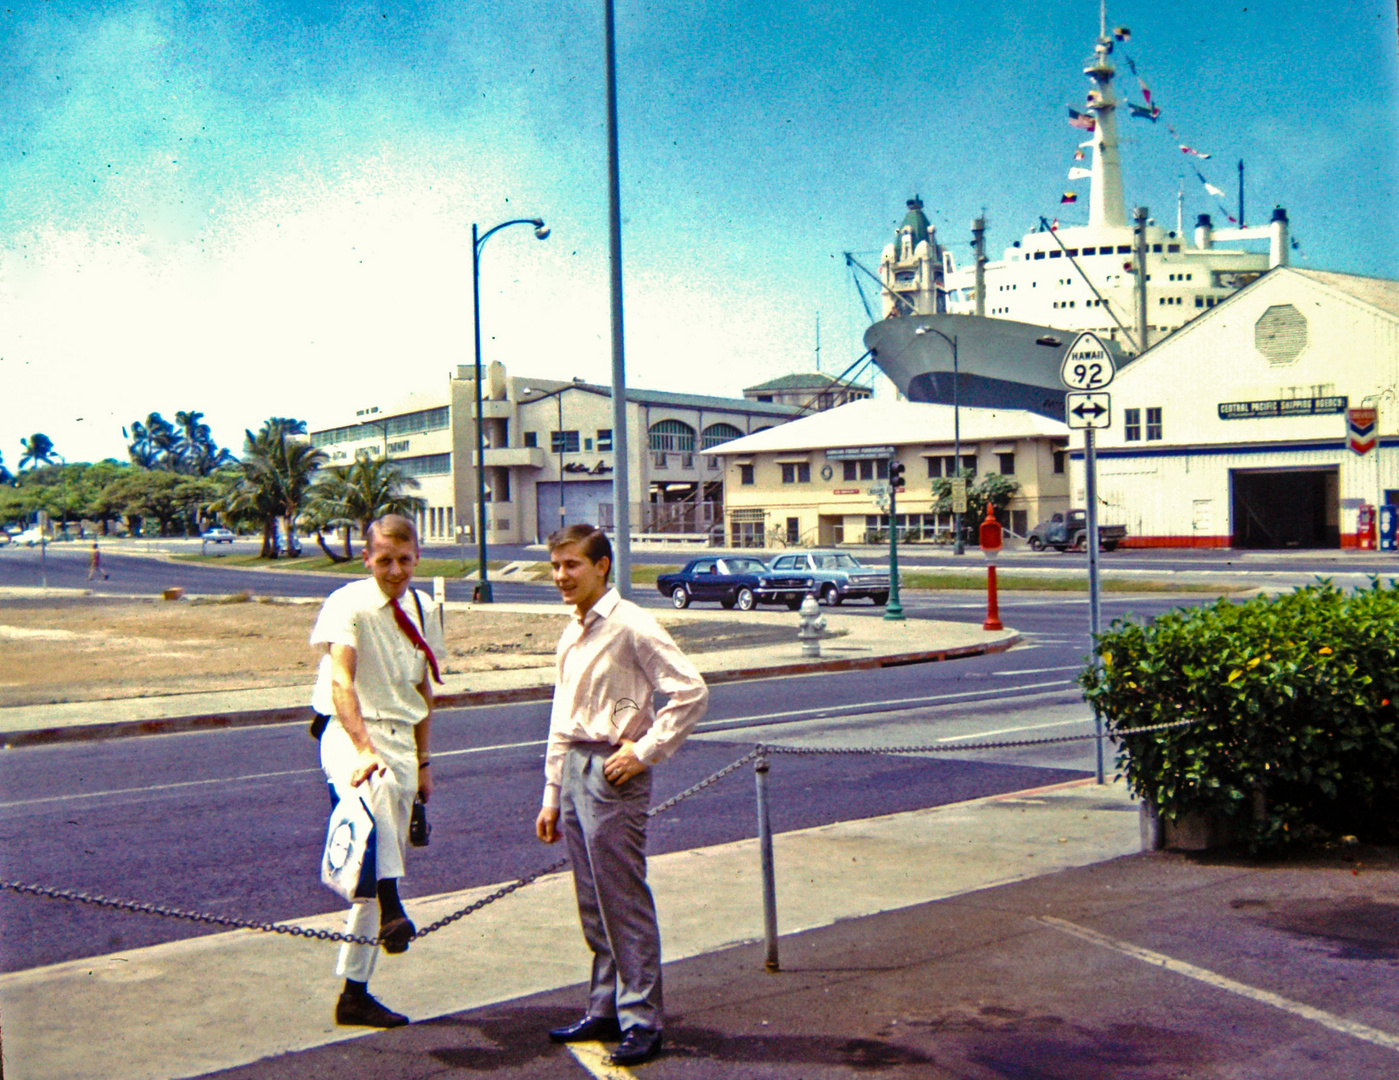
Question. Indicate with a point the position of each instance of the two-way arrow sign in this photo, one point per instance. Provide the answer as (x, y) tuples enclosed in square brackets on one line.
[(1088, 410)]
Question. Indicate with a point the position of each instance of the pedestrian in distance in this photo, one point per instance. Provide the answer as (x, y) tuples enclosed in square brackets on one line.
[(605, 734), (94, 564), (373, 701)]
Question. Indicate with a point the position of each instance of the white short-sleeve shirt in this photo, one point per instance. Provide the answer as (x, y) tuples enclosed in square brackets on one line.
[(388, 666)]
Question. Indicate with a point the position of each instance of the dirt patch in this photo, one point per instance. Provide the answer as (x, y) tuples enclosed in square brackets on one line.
[(95, 649)]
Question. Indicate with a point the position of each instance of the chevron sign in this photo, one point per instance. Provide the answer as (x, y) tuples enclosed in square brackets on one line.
[(1361, 429)]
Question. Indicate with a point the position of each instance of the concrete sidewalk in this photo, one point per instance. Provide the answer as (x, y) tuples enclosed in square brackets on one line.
[(864, 642)]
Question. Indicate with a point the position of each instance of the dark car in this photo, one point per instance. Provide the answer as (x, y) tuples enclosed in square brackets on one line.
[(735, 581)]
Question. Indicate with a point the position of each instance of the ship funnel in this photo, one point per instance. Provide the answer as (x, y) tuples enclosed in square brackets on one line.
[(1204, 232), (1277, 241)]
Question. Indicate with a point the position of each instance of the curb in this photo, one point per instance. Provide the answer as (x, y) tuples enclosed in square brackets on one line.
[(301, 714)]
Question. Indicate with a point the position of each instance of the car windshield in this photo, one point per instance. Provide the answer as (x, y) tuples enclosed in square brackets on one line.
[(742, 566), (837, 562)]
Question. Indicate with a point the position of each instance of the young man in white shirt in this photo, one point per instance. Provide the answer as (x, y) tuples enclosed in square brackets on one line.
[(374, 693), (604, 736)]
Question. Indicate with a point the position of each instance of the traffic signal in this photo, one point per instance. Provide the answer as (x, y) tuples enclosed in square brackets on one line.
[(896, 474)]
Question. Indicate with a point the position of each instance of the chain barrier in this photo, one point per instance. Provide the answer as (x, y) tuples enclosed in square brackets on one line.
[(230, 923)]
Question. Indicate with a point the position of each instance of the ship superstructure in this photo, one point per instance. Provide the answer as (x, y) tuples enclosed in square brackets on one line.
[(1130, 280)]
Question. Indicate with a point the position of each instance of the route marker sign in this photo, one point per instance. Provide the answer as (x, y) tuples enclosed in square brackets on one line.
[(1088, 364), (1083, 411), (959, 494)]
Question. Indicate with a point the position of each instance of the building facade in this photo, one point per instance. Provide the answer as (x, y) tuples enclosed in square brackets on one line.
[(549, 455), (821, 480), (1233, 431), (810, 391)]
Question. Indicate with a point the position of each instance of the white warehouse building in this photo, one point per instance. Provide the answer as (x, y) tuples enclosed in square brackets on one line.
[(1232, 432)]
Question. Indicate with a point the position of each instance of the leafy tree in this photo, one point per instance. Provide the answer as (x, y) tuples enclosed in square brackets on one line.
[(277, 475), (196, 450), (357, 494), (172, 500), (993, 488), (153, 442), (6, 477), (38, 450)]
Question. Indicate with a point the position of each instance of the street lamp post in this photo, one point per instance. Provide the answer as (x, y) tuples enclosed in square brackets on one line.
[(957, 547), (483, 587)]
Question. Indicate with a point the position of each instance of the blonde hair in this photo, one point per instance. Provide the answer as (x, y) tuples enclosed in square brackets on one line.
[(391, 527)]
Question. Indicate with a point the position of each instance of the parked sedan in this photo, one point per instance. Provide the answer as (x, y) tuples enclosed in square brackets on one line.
[(218, 536), (30, 537), (837, 576), (735, 581)]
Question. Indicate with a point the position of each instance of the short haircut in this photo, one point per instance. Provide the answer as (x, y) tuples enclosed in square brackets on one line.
[(391, 527), (591, 540)]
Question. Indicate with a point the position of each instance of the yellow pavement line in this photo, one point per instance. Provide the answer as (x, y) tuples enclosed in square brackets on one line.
[(1180, 967), (594, 1057)]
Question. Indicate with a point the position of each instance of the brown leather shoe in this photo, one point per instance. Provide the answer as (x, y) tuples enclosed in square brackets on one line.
[(362, 1010), (395, 934)]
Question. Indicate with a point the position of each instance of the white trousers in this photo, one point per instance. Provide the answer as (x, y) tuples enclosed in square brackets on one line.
[(390, 800)]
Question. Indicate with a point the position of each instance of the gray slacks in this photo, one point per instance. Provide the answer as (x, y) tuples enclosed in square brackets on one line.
[(604, 828)]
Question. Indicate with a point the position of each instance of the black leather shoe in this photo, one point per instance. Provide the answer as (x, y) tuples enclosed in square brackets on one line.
[(587, 1030), (362, 1010), (639, 1045), (395, 935)]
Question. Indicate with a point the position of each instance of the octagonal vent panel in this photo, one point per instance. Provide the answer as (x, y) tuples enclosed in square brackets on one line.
[(1280, 334)]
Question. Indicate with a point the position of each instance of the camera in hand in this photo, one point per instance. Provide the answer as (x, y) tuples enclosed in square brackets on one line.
[(418, 828)]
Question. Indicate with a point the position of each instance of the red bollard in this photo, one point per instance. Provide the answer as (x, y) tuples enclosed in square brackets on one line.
[(990, 547)]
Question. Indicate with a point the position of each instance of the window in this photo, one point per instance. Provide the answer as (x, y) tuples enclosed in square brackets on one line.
[(563, 442), (1153, 425), (1006, 463), (673, 435), (427, 465), (531, 438), (1132, 425), (1124, 249), (604, 438), (716, 434), (587, 444), (850, 470), (1090, 251), (949, 465), (796, 473), (934, 467), (1059, 457), (745, 474)]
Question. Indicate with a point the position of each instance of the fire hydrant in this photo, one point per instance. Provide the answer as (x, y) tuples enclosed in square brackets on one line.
[(813, 626)]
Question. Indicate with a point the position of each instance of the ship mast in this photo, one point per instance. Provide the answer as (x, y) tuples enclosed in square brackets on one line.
[(1105, 205)]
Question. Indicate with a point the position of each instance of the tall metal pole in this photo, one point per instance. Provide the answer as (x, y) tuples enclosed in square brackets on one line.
[(483, 587), (760, 777), (620, 496), (893, 610), (1095, 620), (559, 401), (957, 546)]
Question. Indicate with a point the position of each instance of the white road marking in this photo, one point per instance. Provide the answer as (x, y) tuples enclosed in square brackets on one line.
[(593, 1056), (1038, 670), (1013, 730), (1352, 1028)]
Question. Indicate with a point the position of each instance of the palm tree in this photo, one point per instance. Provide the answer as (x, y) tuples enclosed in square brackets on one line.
[(153, 443), (6, 477), (38, 450), (277, 477), (358, 494), (196, 450)]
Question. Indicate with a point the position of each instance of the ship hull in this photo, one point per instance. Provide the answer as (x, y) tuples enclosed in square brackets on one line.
[(1001, 363)]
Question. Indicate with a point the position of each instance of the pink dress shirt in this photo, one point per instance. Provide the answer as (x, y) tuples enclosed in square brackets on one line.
[(610, 663)]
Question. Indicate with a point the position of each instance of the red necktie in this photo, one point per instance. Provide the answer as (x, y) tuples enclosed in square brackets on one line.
[(406, 625)]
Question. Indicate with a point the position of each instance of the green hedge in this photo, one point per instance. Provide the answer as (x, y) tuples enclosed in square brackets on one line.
[(1295, 695)]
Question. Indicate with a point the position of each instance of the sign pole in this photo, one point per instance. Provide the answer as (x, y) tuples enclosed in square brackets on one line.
[(893, 610), (1095, 618)]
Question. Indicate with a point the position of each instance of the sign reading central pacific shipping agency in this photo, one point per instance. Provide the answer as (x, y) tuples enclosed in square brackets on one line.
[(859, 453), (1088, 364), (1264, 410), (1362, 426)]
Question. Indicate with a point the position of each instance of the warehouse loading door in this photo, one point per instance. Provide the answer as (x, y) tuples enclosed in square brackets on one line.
[(1286, 509)]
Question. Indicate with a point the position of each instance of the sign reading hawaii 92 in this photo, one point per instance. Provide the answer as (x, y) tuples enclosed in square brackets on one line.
[(1261, 410)]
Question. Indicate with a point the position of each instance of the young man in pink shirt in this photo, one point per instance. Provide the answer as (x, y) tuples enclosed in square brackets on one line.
[(604, 735)]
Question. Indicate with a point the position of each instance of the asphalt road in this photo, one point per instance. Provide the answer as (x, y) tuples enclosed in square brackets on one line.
[(232, 822)]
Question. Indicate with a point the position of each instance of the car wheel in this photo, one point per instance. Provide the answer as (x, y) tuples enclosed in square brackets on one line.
[(1110, 546), (830, 596), (679, 597), (1036, 544), (744, 599), (1081, 542), (880, 599)]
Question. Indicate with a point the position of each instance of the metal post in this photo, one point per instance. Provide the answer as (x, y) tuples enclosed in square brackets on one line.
[(893, 610), (43, 562), (621, 509), (559, 401), (483, 586), (957, 546), (1090, 474), (993, 607), (760, 776)]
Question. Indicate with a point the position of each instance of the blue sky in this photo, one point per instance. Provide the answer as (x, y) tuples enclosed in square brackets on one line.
[(261, 209)]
